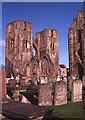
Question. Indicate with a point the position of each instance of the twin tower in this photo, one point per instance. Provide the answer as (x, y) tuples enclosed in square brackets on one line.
[(30, 58), (26, 57)]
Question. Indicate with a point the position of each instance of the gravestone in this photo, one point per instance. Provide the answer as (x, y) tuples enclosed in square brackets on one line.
[(45, 95), (77, 91), (60, 93)]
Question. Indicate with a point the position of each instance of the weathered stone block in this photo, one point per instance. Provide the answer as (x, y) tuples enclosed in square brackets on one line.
[(77, 91), (45, 95), (60, 93)]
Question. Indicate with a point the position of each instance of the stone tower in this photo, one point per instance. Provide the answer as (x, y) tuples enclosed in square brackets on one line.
[(19, 45), (48, 52), (76, 40)]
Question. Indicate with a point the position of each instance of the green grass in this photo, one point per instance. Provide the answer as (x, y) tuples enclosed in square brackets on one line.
[(70, 110)]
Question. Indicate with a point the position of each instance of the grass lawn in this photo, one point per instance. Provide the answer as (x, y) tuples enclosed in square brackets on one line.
[(73, 111), (70, 110)]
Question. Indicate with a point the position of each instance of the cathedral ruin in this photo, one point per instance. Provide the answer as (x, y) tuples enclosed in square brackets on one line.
[(76, 41), (32, 65), (21, 46)]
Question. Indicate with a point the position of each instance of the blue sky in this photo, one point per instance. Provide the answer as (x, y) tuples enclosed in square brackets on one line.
[(43, 15)]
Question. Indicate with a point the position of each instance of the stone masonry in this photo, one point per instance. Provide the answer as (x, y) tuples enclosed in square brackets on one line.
[(48, 52), (20, 46), (76, 40)]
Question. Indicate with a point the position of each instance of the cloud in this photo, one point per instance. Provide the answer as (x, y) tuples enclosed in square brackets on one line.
[(2, 43)]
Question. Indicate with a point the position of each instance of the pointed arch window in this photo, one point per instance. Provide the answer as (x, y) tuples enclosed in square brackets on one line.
[(51, 33), (25, 43), (52, 46)]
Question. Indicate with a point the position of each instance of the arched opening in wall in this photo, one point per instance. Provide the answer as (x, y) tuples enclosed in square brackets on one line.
[(11, 45), (51, 33), (80, 41), (52, 47), (34, 52), (80, 71), (25, 44), (44, 66)]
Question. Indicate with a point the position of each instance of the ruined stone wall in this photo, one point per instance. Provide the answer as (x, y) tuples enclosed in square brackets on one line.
[(19, 45), (3, 93), (48, 52), (19, 51), (76, 40)]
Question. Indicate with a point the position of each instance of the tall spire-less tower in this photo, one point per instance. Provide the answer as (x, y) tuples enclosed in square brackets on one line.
[(19, 45)]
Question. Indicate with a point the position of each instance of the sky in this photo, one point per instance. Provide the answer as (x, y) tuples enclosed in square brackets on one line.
[(55, 15)]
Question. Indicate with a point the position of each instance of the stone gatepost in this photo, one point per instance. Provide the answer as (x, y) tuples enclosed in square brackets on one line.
[(60, 93), (77, 91), (45, 95)]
